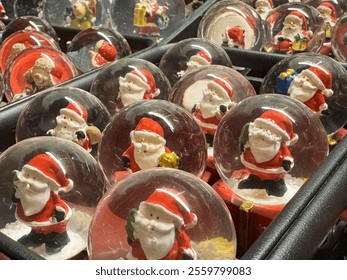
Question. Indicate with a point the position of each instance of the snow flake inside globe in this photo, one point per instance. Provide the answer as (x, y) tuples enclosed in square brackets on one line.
[(267, 146), (70, 113), (148, 134), (48, 198), (129, 80), (154, 19), (162, 214), (190, 54), (339, 39), (232, 24), (293, 28), (316, 80)]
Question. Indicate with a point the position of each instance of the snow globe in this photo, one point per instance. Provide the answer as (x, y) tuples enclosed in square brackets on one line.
[(128, 80), (28, 8), (36, 69), (22, 40), (155, 19), (95, 47), (317, 81), (339, 39), (148, 134), (48, 199), (265, 148), (66, 112), (175, 204), (28, 23), (78, 14), (293, 28), (233, 24), (190, 54)]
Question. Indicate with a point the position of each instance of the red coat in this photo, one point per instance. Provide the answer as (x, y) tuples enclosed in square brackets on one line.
[(129, 153), (181, 244), (208, 125), (317, 102), (269, 170), (286, 44), (43, 221)]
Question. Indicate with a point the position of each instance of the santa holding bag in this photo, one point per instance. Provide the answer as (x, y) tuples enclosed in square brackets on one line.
[(157, 230), (136, 85), (294, 35), (201, 58), (311, 87), (265, 154), (263, 7), (39, 206), (147, 149), (327, 12), (215, 103), (72, 125), (103, 53)]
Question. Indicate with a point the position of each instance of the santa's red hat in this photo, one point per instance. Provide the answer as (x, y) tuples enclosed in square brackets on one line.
[(280, 123), (106, 50), (146, 80), (267, 3), (173, 205), (52, 170), (222, 86), (48, 66), (297, 16), (203, 57), (320, 77), (3, 12), (327, 7), (150, 128), (76, 110)]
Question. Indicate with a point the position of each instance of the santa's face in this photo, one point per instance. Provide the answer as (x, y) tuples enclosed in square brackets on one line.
[(211, 102), (301, 88), (291, 24), (193, 64), (130, 90), (42, 78), (32, 188), (263, 141), (262, 6), (155, 229), (325, 13), (67, 126)]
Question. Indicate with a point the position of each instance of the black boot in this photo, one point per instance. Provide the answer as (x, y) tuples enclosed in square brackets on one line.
[(252, 182), (55, 242), (275, 188), (33, 239)]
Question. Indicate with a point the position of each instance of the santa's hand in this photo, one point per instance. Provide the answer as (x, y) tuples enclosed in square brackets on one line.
[(242, 147), (147, 15), (286, 164), (80, 135), (126, 162), (223, 108), (59, 216), (280, 39)]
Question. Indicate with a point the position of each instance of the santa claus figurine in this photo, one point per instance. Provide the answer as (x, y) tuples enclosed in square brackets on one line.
[(147, 149), (72, 125), (215, 103), (157, 230), (39, 206), (311, 87), (83, 14), (136, 85), (294, 35), (234, 37), (263, 7), (265, 154), (327, 12), (201, 58), (103, 53)]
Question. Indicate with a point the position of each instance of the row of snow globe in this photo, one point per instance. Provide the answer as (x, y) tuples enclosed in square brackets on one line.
[(124, 171)]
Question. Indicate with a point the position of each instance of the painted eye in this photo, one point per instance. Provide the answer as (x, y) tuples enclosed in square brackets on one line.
[(151, 215), (157, 218)]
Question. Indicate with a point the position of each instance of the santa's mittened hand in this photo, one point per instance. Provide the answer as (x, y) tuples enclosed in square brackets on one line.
[(59, 216), (147, 14), (286, 164), (126, 162), (280, 39), (223, 108), (80, 135), (242, 147), (187, 257)]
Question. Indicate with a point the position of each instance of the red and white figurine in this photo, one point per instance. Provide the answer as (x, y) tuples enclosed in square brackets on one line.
[(201, 58), (311, 87), (294, 35), (72, 125), (39, 206), (263, 7), (328, 13), (136, 85), (265, 154), (103, 53), (157, 230), (234, 37), (147, 149)]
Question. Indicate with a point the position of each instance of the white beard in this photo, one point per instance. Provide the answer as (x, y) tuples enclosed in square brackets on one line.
[(156, 238), (290, 34), (67, 129), (130, 92), (147, 155), (210, 104), (301, 92), (32, 201)]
